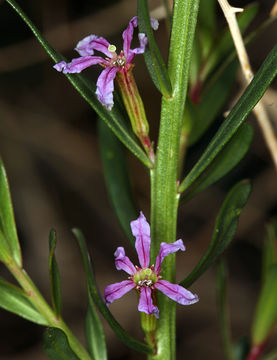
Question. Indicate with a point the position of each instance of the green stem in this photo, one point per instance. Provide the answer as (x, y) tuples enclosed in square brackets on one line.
[(42, 306), (164, 185)]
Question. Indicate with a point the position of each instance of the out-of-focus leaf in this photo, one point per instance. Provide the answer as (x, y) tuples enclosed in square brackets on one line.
[(266, 311), (97, 298), (167, 12), (196, 61), (113, 118), (270, 247), (223, 310), (225, 228), (117, 178), (152, 55), (8, 238), (224, 44), (207, 25), (241, 348), (271, 356), (246, 103), (229, 157), (13, 299), (56, 345), (54, 275), (216, 92), (204, 38), (94, 333)]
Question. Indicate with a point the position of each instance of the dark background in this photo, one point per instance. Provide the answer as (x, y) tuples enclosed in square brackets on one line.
[(48, 142)]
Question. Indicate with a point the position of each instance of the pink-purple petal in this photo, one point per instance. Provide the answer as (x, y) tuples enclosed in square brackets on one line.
[(122, 262), (146, 303), (105, 86), (127, 35), (60, 66), (154, 24), (139, 50), (141, 230), (166, 249), (79, 64), (117, 290), (92, 42), (176, 292)]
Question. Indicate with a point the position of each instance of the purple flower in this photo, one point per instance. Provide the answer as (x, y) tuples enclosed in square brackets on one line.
[(112, 62), (147, 279)]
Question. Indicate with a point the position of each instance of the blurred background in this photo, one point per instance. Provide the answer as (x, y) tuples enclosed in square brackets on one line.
[(48, 142)]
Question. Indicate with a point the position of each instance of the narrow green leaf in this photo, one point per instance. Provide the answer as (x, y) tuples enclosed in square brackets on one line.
[(226, 160), (266, 311), (114, 118), (216, 92), (8, 238), (223, 310), (13, 299), (55, 280), (246, 103), (152, 56), (225, 228), (56, 345), (97, 298), (117, 178), (94, 333)]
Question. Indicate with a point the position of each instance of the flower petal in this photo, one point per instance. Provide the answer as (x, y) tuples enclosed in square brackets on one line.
[(154, 24), (141, 230), (92, 42), (79, 64), (176, 292), (128, 36), (139, 50), (117, 290), (60, 66), (105, 86), (166, 249), (146, 302), (122, 262)]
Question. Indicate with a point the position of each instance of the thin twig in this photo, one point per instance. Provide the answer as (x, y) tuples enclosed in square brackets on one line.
[(259, 110)]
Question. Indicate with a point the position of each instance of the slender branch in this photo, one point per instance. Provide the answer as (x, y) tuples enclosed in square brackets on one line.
[(259, 110), (42, 306)]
